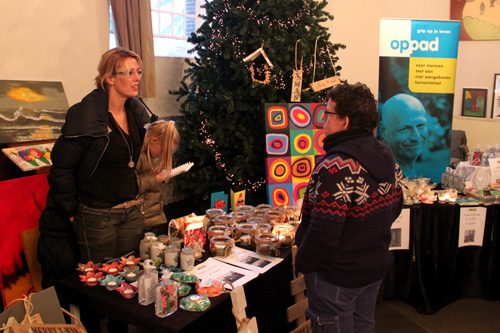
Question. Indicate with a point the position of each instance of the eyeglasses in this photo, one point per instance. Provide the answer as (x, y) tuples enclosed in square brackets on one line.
[(130, 73), (328, 112)]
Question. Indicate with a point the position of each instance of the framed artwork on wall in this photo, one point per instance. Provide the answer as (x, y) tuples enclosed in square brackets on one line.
[(474, 102), (479, 19), (495, 105)]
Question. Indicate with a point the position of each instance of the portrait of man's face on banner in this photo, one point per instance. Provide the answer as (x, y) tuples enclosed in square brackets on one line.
[(416, 126), (417, 68)]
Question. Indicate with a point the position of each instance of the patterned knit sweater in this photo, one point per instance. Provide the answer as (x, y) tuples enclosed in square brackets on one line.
[(353, 197)]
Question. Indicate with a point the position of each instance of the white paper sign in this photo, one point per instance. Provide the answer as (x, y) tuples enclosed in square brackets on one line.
[(250, 260), (472, 221), (217, 270), (495, 170), (400, 231)]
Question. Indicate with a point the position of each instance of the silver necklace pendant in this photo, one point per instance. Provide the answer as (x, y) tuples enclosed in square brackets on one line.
[(131, 164)]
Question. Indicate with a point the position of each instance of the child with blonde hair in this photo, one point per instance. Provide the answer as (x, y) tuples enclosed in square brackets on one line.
[(155, 161)]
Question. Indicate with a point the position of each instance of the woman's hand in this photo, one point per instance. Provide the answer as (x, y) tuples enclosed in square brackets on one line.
[(159, 177)]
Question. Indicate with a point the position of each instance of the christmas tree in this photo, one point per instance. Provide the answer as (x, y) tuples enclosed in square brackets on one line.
[(225, 88)]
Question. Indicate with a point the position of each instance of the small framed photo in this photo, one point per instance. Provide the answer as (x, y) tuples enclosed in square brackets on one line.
[(474, 102), (495, 106)]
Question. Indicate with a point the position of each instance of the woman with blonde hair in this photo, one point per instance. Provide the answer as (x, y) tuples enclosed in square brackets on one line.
[(153, 167), (93, 184)]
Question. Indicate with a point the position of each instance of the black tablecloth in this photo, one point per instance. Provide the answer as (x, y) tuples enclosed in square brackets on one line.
[(267, 297), (435, 271)]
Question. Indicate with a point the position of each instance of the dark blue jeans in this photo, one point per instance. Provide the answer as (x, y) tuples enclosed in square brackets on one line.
[(107, 232), (338, 309)]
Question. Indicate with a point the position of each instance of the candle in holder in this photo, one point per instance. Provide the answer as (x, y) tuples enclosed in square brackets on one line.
[(245, 233), (265, 244), (290, 212), (111, 285), (264, 228), (275, 216), (226, 220), (264, 206), (187, 258), (221, 246), (171, 255), (175, 241), (245, 209), (240, 217), (211, 214), (259, 212), (218, 230), (285, 233), (145, 248), (164, 239)]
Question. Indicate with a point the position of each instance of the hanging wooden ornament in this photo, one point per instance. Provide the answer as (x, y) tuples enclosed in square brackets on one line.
[(297, 78), (329, 81), (259, 52), (267, 74)]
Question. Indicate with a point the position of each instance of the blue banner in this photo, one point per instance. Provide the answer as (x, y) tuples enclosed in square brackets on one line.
[(417, 64)]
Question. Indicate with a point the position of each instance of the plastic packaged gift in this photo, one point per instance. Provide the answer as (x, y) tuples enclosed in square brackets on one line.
[(192, 230), (196, 303), (213, 288)]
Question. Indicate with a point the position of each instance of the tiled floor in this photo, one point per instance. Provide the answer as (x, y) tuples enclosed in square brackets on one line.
[(464, 315)]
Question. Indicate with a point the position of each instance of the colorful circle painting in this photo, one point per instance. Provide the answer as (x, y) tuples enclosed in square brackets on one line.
[(280, 196), (302, 167), (279, 170), (319, 109), (302, 143), (277, 144), (319, 136), (277, 117), (299, 190), (300, 116)]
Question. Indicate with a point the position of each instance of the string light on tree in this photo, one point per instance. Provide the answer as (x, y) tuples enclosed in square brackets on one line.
[(228, 137)]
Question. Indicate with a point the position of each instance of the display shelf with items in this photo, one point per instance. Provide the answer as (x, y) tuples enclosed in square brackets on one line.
[(418, 190), (256, 245), (485, 196)]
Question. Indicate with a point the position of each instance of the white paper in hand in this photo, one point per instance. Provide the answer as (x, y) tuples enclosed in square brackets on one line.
[(178, 170)]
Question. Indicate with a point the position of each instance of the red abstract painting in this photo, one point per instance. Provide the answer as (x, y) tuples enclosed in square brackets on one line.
[(22, 201)]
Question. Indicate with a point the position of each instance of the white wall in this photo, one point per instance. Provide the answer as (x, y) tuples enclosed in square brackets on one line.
[(55, 40), (61, 40)]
